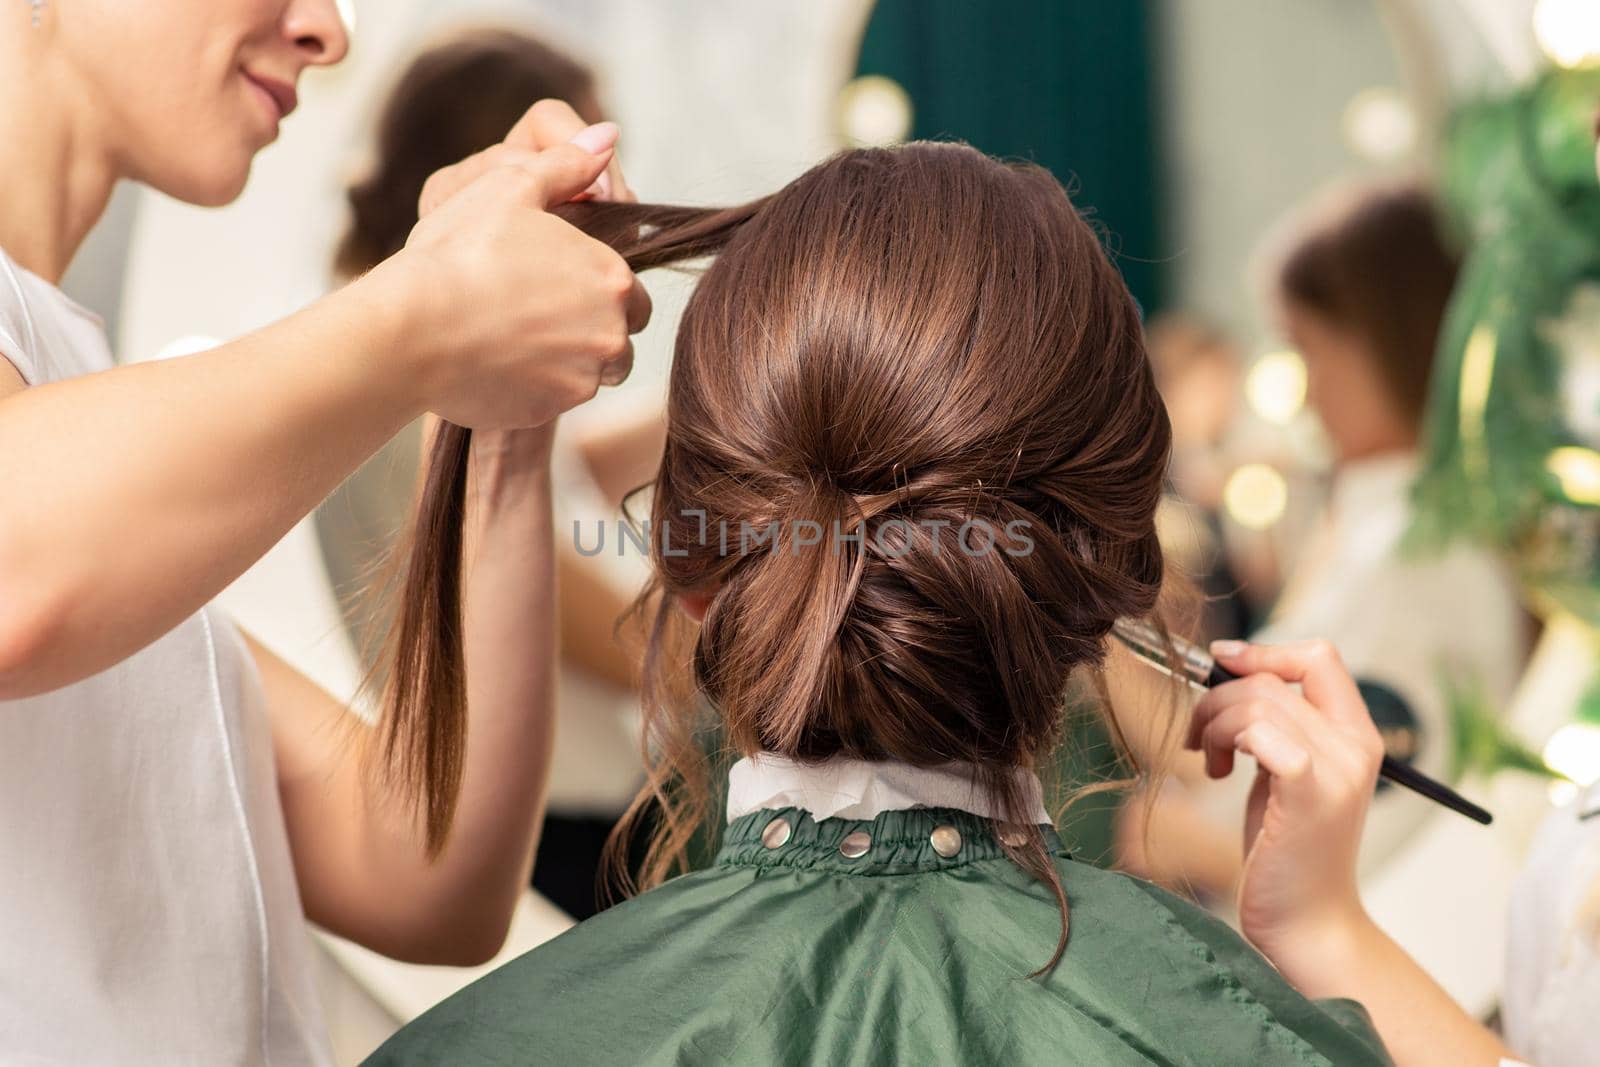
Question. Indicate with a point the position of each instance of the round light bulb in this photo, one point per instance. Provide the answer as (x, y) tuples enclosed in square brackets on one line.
[(874, 111), (1276, 387), (1578, 472), (1568, 31), (1574, 751), (1255, 496), (1379, 124)]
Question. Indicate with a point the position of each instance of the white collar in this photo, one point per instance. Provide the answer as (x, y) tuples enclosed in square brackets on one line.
[(860, 789)]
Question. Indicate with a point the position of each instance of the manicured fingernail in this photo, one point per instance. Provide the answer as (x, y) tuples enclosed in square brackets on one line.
[(1227, 649), (597, 138)]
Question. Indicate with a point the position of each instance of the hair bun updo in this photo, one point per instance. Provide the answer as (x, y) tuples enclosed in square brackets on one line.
[(924, 357), (904, 353)]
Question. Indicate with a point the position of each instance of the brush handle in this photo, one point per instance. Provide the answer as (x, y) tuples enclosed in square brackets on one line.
[(1401, 774)]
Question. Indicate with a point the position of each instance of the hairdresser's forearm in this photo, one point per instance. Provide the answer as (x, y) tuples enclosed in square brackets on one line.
[(131, 497), (1418, 1021)]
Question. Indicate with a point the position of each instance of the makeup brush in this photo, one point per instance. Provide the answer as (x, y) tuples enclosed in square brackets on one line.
[(1200, 669)]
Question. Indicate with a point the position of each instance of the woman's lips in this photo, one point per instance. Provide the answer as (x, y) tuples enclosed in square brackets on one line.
[(280, 95)]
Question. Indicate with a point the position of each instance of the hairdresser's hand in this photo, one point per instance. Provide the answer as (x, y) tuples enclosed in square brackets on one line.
[(545, 125), (553, 122), (1297, 711), (513, 315)]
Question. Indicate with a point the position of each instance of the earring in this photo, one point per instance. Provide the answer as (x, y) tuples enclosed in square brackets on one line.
[(38, 11)]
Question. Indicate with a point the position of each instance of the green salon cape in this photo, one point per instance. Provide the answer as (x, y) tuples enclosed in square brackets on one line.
[(906, 939)]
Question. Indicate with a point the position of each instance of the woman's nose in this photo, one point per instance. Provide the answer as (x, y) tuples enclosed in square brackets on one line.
[(317, 29)]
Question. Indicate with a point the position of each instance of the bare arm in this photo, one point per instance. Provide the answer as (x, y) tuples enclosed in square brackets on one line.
[(596, 633), (1418, 1021), (359, 858), (1161, 835), (130, 498), (625, 455)]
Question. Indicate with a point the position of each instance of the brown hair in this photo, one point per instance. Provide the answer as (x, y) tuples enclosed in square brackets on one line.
[(1380, 265), (455, 99), (914, 344)]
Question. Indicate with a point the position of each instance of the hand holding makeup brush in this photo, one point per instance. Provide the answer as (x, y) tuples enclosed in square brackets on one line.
[(1317, 755), (1296, 709)]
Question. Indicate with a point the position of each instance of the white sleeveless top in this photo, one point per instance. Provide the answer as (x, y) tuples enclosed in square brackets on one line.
[(148, 907)]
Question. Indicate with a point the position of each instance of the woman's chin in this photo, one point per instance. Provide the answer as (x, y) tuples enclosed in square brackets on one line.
[(213, 186)]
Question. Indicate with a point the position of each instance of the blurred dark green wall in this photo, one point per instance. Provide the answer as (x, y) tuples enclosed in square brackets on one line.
[(1065, 83)]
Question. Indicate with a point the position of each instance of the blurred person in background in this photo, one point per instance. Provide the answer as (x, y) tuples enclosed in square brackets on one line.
[(1361, 293), (458, 97)]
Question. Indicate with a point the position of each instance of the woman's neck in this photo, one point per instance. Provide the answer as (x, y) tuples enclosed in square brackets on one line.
[(58, 175)]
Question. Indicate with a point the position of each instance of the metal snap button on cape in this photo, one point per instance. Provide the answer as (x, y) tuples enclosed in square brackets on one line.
[(776, 834), (946, 840), (855, 845)]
